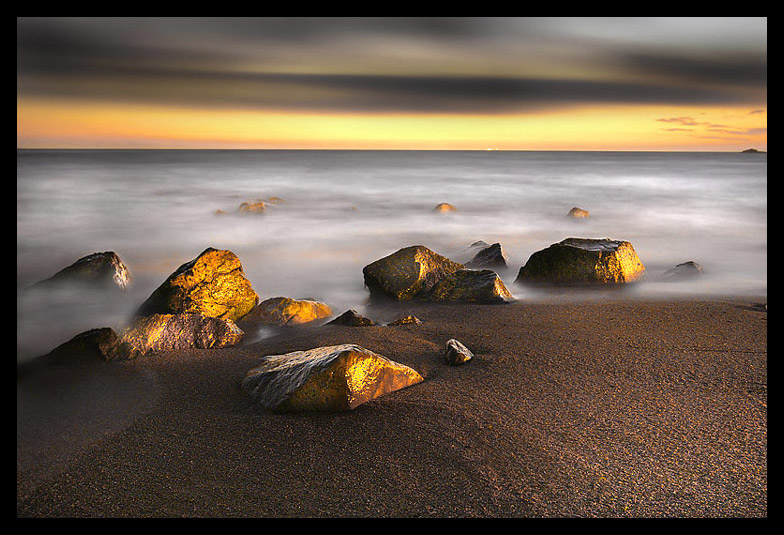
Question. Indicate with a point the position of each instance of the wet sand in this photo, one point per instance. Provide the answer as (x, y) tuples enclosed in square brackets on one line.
[(596, 408)]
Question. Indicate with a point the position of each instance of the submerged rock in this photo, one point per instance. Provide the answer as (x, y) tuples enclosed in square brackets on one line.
[(408, 273), (352, 319), (257, 207), (161, 332), (685, 271), (471, 285), (97, 270), (492, 257), (444, 207), (287, 311), (213, 284), (578, 213), (455, 353), (583, 260), (331, 378)]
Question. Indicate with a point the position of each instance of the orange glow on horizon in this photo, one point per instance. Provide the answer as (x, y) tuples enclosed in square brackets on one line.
[(45, 123)]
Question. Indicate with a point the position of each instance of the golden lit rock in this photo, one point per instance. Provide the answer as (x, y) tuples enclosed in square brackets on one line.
[(331, 378), (578, 213), (444, 207), (584, 260), (287, 311), (408, 273), (173, 331), (213, 284), (253, 207)]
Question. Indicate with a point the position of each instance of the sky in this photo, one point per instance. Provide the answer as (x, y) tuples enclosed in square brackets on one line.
[(647, 83)]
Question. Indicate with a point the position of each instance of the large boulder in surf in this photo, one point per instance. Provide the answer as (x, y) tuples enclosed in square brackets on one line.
[(583, 261), (407, 274), (471, 286), (212, 284), (490, 257), (331, 378), (96, 270), (162, 332), (287, 311)]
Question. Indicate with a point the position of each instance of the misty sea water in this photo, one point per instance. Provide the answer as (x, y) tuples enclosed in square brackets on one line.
[(341, 210)]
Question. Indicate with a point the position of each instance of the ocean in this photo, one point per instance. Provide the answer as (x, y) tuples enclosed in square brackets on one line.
[(340, 210)]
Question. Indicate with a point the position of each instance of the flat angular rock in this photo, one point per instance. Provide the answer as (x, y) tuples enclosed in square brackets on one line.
[(491, 257), (331, 378), (287, 311), (472, 286), (351, 318), (213, 284), (97, 270), (583, 261), (407, 274), (455, 353), (161, 332), (406, 320)]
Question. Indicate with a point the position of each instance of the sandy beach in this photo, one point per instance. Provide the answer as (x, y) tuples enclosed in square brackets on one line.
[(570, 408)]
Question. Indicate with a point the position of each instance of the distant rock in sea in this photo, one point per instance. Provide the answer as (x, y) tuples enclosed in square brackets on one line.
[(578, 213), (491, 257), (754, 151), (444, 207), (96, 270), (685, 271)]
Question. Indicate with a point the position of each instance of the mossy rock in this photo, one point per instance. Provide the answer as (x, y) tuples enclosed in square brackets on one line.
[(407, 274), (331, 378), (213, 284), (583, 261)]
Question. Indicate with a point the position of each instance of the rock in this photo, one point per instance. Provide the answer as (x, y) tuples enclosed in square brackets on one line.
[(754, 151), (479, 243), (213, 284), (471, 285), (287, 311), (352, 319), (685, 271), (578, 213), (257, 207), (89, 346), (583, 260), (331, 378), (444, 207), (408, 273), (456, 353), (96, 270), (492, 257), (406, 320), (160, 332)]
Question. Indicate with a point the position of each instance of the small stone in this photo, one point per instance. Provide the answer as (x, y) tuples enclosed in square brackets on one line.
[(406, 320), (444, 207), (456, 353), (351, 318), (578, 213)]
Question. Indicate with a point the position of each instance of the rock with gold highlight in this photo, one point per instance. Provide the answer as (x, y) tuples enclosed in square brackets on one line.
[(578, 213), (213, 284), (287, 311), (161, 332), (444, 207), (583, 261), (331, 378), (455, 353), (472, 286), (407, 274)]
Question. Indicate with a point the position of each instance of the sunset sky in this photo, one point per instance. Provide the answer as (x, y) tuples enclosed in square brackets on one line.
[(393, 83)]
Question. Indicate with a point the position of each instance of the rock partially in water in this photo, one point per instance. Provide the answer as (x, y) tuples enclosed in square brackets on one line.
[(455, 353), (162, 332), (578, 213), (213, 284), (331, 378), (287, 311), (257, 207), (351, 318), (685, 271), (407, 274), (471, 286), (96, 270), (490, 257), (583, 261), (444, 207)]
